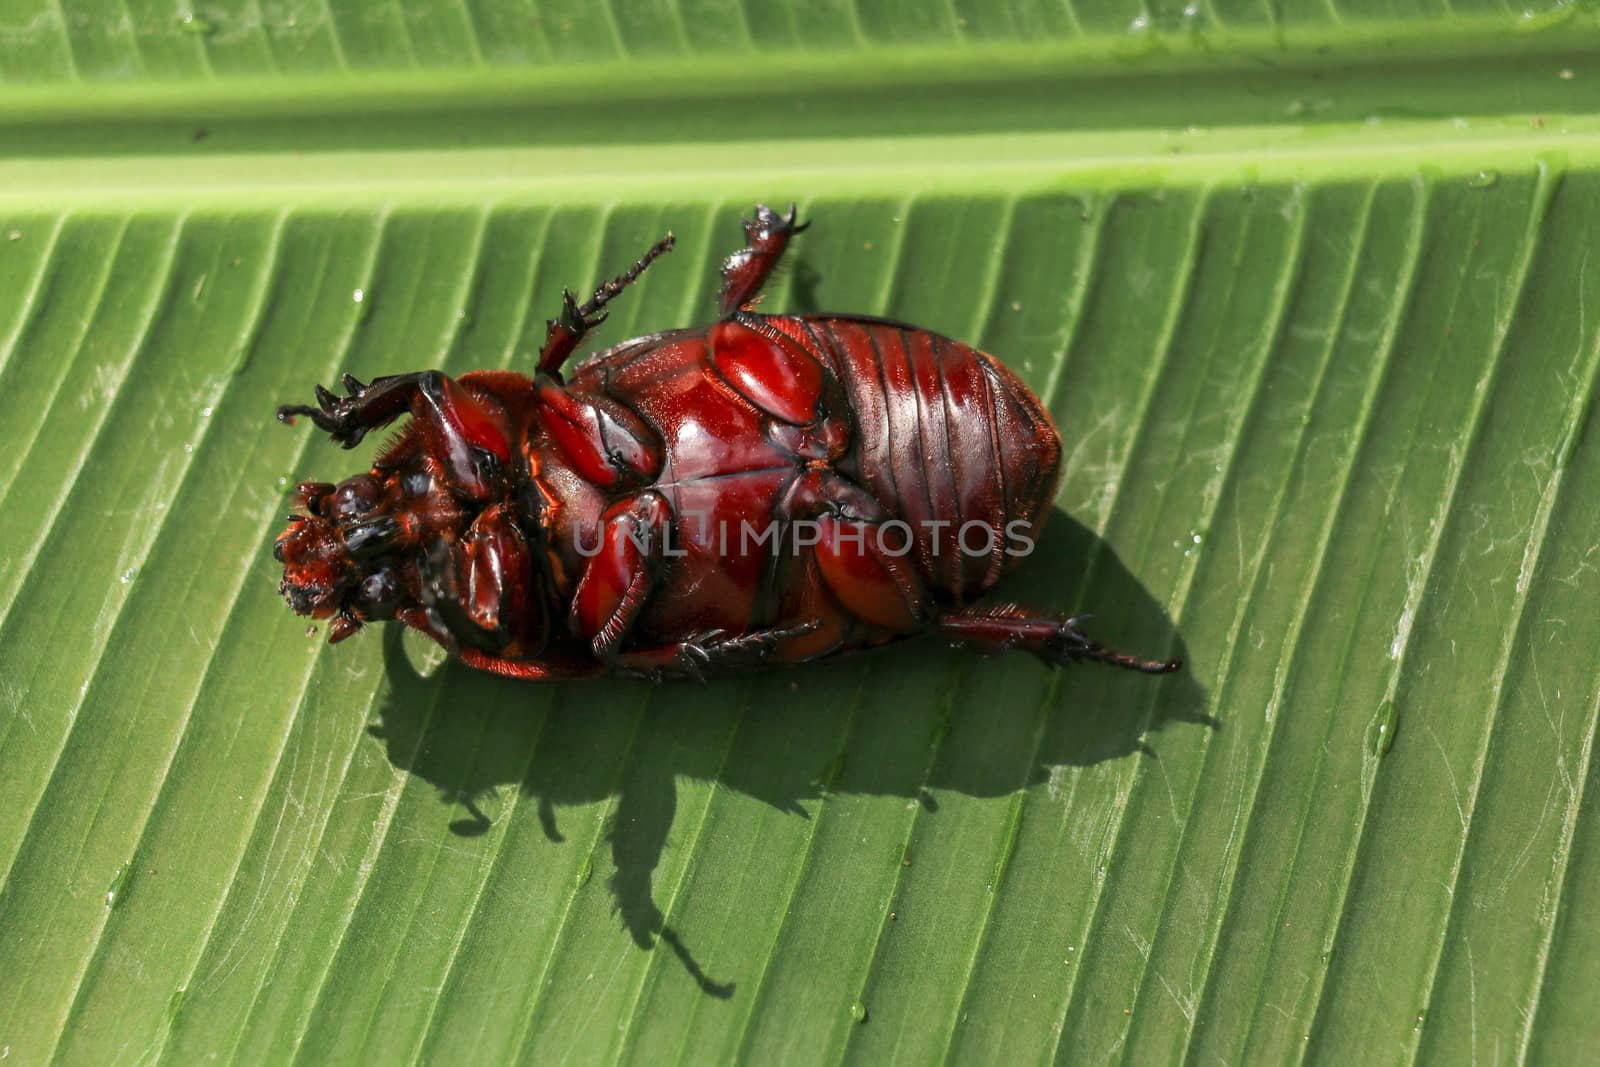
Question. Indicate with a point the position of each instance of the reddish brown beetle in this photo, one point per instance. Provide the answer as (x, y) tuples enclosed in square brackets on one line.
[(767, 489)]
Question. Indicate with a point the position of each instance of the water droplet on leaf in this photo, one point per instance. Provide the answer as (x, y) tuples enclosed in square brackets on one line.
[(118, 880), (1381, 737)]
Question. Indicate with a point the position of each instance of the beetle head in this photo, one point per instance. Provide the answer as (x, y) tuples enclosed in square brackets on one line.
[(339, 556)]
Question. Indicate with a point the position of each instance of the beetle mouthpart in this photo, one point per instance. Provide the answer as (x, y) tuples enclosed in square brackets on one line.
[(302, 598), (371, 537), (316, 568)]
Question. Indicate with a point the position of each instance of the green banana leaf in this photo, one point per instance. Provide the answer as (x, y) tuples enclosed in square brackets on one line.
[(1307, 287)]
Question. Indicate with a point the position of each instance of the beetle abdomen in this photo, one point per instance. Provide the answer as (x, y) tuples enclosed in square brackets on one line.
[(950, 441)]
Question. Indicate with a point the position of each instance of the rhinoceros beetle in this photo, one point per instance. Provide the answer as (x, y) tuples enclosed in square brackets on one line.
[(767, 489)]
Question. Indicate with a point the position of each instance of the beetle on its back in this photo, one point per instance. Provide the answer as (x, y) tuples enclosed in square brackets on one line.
[(766, 489)]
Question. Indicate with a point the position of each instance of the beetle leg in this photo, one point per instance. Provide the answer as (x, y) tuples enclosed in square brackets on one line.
[(866, 568), (747, 270), (601, 439), (565, 332), (367, 407), (616, 585), (465, 431), (774, 364), (1053, 638), (708, 653), (482, 592), (769, 368), (621, 572)]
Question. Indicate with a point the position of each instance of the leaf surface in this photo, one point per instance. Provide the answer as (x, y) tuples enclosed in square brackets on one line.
[(1306, 286)]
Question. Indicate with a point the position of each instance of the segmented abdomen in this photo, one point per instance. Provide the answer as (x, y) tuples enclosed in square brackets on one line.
[(948, 440)]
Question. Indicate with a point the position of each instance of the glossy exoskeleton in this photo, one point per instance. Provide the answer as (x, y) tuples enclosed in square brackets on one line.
[(763, 490)]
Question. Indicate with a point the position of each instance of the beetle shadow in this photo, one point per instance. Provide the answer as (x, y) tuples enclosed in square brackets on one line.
[(911, 720)]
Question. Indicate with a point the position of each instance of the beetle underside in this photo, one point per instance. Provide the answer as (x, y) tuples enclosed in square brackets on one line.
[(543, 528)]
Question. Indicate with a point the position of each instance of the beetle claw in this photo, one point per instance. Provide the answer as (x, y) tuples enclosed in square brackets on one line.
[(569, 318), (768, 223), (334, 414)]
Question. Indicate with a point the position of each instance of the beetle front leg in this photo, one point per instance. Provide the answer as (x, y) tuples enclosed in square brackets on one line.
[(1055, 639), (481, 592), (747, 270), (367, 407), (466, 432)]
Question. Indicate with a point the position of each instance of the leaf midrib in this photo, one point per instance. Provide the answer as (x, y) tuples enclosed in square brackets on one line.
[(797, 169), (1337, 105)]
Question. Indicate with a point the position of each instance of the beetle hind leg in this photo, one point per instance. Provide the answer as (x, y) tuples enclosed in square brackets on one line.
[(1053, 638)]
